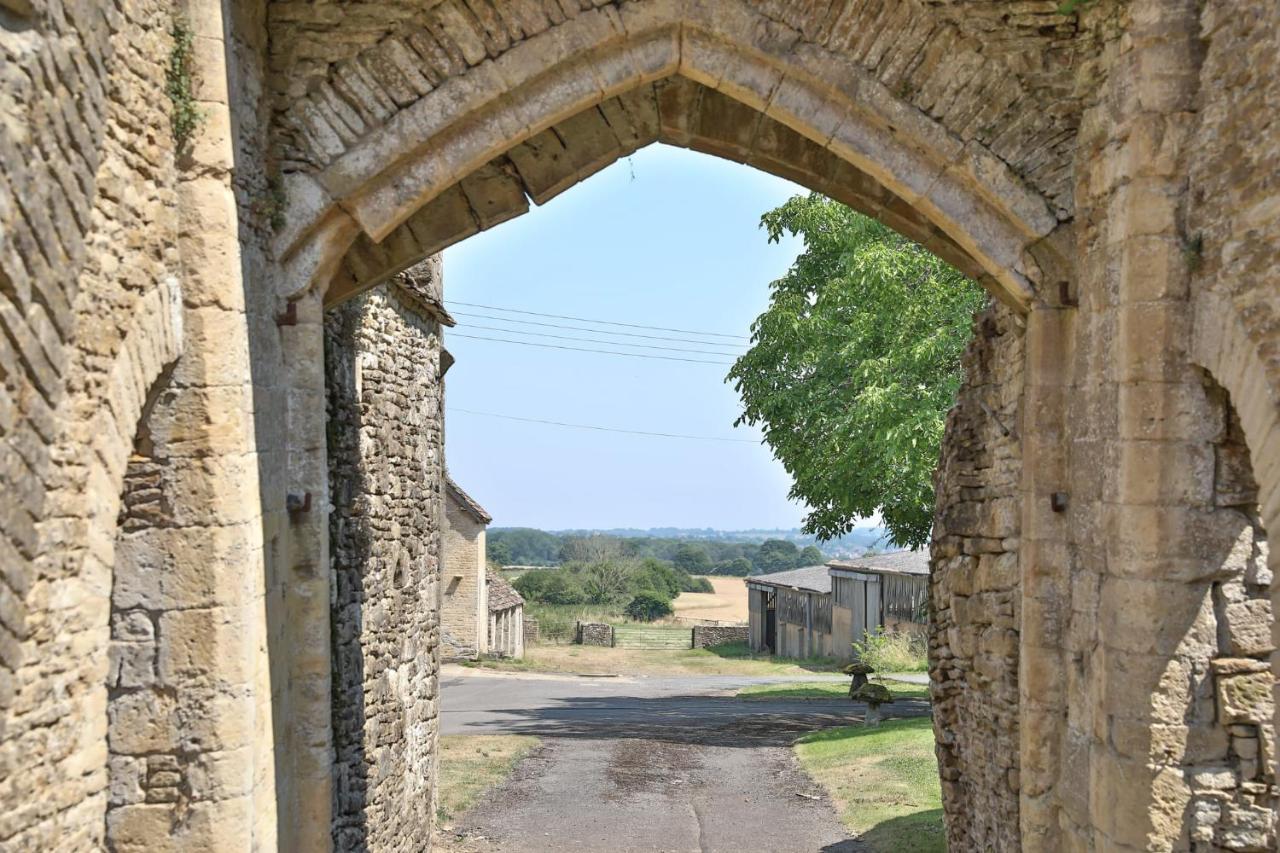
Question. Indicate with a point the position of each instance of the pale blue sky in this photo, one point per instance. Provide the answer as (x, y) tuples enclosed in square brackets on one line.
[(670, 238)]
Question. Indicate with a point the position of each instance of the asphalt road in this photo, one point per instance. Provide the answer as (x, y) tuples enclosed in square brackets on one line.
[(650, 764)]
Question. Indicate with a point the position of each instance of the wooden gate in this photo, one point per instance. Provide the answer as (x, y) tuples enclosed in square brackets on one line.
[(652, 637)]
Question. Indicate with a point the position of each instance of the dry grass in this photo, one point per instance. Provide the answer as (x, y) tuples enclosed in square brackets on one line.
[(730, 659), (472, 764), (727, 604)]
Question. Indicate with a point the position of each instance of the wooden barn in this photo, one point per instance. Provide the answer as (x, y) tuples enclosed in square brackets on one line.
[(819, 611), (887, 592), (790, 612)]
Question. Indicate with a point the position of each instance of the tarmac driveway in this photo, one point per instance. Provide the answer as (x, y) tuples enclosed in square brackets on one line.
[(654, 764)]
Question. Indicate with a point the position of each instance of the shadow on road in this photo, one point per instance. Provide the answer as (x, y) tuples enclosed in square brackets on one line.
[(707, 720)]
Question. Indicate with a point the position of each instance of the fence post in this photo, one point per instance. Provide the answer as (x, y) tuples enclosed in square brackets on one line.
[(613, 638)]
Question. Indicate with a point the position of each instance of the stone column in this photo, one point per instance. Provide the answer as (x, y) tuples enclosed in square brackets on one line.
[(191, 752), (1045, 575), (303, 590)]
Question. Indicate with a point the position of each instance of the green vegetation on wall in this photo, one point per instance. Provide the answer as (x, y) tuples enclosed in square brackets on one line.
[(179, 84)]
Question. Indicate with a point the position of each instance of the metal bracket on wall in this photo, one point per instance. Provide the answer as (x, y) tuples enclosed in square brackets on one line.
[(289, 317), (1058, 501), (298, 503), (1065, 296)]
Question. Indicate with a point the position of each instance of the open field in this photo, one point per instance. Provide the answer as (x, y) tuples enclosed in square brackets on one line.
[(729, 659), (727, 604), (883, 781), (832, 690), (472, 764)]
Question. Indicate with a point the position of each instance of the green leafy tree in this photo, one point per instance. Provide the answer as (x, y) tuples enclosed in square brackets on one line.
[(738, 567), (605, 582), (499, 552), (692, 558), (853, 367), (550, 586), (647, 606), (777, 555), (811, 555)]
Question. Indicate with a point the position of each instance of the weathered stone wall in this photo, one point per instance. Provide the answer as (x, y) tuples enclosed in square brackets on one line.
[(464, 609), (386, 472), (974, 592), (594, 634), (1110, 172), (718, 635)]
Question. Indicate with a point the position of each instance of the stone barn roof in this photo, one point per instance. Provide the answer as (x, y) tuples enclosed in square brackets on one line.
[(465, 501), (897, 562), (502, 595), (811, 578), (424, 284)]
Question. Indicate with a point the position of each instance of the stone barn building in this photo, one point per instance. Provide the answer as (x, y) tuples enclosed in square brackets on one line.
[(464, 598), (218, 419), (506, 618)]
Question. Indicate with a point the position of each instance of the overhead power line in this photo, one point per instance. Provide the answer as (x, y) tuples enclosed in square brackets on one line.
[(602, 428), (602, 322), (585, 349), (595, 331), (593, 340)]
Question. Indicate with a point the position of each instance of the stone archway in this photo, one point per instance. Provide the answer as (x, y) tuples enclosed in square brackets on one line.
[(390, 130), (450, 123), (419, 142), (1108, 172)]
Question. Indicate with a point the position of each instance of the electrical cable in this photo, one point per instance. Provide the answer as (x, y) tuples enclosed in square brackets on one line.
[(601, 428), (595, 331), (644, 355), (602, 322), (592, 340)]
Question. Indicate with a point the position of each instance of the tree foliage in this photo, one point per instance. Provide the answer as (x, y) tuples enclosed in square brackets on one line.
[(515, 546), (648, 606), (810, 556), (693, 558), (853, 367), (777, 555)]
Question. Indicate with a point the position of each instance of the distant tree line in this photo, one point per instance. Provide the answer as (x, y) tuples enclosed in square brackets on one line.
[(644, 587), (527, 547)]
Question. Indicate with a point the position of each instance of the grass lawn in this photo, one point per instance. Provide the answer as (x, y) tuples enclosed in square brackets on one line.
[(729, 659), (884, 782), (832, 690), (472, 764)]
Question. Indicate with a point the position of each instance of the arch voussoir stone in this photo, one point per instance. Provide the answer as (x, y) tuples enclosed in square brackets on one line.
[(481, 107)]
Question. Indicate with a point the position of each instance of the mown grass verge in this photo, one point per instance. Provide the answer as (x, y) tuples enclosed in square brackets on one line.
[(828, 690), (472, 764), (728, 659), (883, 780)]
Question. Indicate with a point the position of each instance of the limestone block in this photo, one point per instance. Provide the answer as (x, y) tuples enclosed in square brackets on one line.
[(1249, 627), (205, 645), (143, 721), (132, 664), (1245, 696), (1248, 827)]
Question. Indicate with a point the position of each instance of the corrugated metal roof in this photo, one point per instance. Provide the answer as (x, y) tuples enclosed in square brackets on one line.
[(899, 562), (502, 595), (813, 578), (465, 501)]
